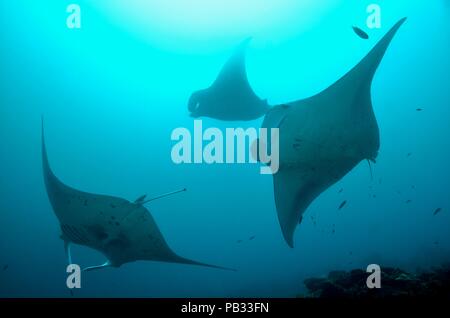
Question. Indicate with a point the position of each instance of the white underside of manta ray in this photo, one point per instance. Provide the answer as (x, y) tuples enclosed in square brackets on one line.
[(323, 137), (122, 231)]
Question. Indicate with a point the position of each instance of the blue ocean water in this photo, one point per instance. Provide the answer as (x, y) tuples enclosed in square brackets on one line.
[(113, 91)]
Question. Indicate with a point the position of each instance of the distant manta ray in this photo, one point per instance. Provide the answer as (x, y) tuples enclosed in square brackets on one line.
[(121, 230), (230, 97), (325, 136)]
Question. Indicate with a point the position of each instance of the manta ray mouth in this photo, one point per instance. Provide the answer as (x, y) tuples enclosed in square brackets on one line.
[(194, 106), (194, 103)]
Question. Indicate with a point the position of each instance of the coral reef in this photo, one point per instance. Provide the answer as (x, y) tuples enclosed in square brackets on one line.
[(394, 283)]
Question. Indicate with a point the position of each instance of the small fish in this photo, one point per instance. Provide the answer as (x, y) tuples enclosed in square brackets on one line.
[(360, 33), (251, 238), (408, 201), (409, 154), (340, 191), (419, 109), (374, 196), (5, 267), (437, 211), (342, 204), (239, 241)]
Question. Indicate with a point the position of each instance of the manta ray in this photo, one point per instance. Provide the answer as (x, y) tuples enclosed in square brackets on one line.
[(324, 137), (230, 97), (121, 230)]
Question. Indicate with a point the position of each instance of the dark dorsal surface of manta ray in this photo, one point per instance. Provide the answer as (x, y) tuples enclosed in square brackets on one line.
[(121, 230), (230, 97), (325, 136)]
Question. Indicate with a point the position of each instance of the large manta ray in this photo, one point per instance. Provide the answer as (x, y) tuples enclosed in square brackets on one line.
[(325, 136), (121, 230), (230, 97)]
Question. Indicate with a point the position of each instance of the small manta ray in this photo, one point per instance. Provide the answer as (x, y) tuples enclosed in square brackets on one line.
[(338, 129), (230, 97), (123, 231)]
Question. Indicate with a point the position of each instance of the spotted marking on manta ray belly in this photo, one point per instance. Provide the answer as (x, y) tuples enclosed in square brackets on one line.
[(98, 232), (120, 242)]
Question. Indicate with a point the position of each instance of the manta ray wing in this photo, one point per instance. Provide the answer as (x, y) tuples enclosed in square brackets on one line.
[(123, 231), (324, 137), (231, 96)]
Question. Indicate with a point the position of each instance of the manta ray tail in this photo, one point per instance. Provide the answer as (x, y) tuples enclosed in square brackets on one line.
[(182, 260)]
